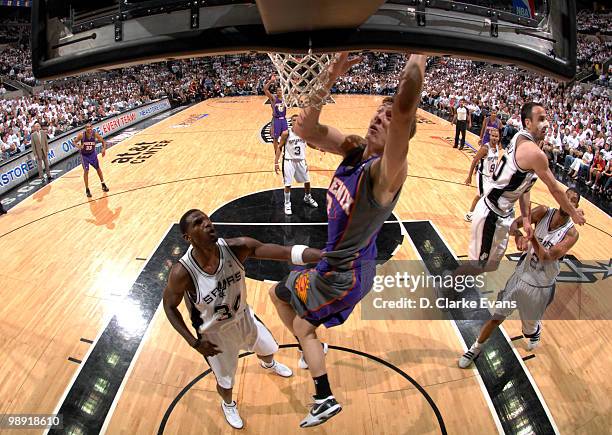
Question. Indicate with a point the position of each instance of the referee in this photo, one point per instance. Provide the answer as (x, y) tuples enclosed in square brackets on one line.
[(463, 120)]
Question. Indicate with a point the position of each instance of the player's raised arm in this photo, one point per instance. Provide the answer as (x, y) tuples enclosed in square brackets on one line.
[(246, 247), (390, 173), (307, 127), (266, 89)]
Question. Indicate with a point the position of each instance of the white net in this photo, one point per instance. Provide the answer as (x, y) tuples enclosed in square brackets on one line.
[(302, 78)]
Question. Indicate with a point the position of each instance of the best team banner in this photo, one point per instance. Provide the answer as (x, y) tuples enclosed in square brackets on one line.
[(17, 171)]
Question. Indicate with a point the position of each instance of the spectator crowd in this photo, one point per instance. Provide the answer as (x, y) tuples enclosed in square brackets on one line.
[(580, 115), (590, 22)]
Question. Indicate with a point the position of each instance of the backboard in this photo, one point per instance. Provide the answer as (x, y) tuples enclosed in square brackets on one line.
[(76, 36)]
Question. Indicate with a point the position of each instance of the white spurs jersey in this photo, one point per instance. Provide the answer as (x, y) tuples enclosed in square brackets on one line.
[(531, 269), (488, 163), (219, 297), (509, 181), (295, 147)]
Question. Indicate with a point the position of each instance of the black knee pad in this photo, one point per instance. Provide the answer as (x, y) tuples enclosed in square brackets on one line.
[(282, 291)]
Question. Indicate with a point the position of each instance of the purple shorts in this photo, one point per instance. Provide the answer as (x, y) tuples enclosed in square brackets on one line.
[(90, 159), (278, 126), (324, 300)]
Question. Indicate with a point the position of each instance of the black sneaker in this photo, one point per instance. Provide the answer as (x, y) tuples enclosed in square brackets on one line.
[(321, 411), (104, 188), (455, 146), (88, 193)]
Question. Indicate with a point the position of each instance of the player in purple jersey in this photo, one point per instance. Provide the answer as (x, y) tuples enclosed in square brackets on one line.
[(279, 112), (86, 143), (361, 196), (491, 122)]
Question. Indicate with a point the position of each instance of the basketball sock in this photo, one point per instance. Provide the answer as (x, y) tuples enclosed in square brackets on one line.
[(477, 345), (287, 197), (322, 387), (268, 365), (298, 342)]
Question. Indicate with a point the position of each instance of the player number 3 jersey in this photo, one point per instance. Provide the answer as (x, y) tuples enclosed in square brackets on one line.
[(295, 148), (220, 297)]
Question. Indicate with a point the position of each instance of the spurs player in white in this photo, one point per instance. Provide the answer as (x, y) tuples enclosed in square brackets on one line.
[(485, 162), (293, 150), (531, 287), (210, 277), (517, 171)]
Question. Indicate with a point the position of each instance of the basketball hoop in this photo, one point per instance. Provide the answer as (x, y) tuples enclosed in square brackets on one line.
[(302, 77)]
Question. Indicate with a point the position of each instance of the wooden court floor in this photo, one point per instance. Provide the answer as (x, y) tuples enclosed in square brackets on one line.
[(68, 262)]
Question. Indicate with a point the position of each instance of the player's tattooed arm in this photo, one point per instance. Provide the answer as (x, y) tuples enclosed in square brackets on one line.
[(245, 247), (399, 118), (180, 282)]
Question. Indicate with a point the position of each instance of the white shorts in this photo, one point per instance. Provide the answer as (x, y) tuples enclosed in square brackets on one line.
[(297, 169), (481, 182), (530, 300), (244, 333), (490, 234)]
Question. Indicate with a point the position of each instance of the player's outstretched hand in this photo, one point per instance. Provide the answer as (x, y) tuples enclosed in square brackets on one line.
[(578, 217), (342, 64), (206, 348), (468, 181), (103, 152), (276, 168)]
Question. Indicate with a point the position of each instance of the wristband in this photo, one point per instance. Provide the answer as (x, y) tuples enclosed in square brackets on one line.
[(297, 252)]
